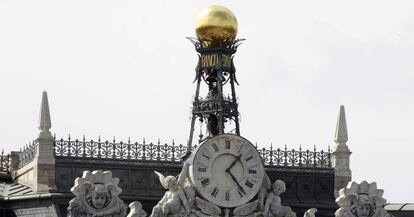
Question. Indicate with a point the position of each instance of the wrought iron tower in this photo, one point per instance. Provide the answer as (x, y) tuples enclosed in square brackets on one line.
[(216, 30), (216, 69)]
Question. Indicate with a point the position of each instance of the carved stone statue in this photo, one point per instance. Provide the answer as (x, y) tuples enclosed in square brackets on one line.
[(96, 196), (361, 200), (273, 205), (136, 210), (177, 201)]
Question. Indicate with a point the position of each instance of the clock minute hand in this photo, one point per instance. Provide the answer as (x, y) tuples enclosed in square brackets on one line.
[(235, 180), (234, 162)]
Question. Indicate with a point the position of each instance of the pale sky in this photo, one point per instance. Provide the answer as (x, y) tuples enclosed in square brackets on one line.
[(125, 69)]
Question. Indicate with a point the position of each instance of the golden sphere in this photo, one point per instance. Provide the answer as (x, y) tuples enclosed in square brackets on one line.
[(216, 25)]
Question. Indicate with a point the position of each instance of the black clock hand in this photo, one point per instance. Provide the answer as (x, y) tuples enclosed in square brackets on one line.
[(234, 162), (235, 180)]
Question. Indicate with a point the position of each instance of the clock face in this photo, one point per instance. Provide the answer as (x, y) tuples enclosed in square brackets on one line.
[(227, 170)]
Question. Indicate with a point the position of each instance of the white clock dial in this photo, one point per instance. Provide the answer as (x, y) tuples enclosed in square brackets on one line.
[(227, 170)]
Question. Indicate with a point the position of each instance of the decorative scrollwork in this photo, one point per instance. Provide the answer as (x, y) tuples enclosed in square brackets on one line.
[(166, 152), (266, 155), (106, 150), (121, 150), (61, 147), (76, 148), (207, 106), (179, 151), (307, 158), (150, 151), (278, 157), (91, 149), (136, 151)]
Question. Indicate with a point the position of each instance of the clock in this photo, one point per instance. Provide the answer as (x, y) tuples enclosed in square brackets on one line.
[(226, 170)]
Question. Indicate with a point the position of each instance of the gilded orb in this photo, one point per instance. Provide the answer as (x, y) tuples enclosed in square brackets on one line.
[(216, 26)]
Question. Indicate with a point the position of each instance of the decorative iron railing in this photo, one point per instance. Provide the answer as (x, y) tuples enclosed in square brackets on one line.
[(119, 150), (113, 150), (4, 162), (296, 158), (27, 154)]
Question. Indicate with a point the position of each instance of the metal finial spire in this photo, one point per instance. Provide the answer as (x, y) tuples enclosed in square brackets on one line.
[(341, 133), (44, 118)]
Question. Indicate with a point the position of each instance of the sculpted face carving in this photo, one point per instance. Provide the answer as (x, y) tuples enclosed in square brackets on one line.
[(99, 200), (279, 187), (171, 183), (100, 196), (365, 206)]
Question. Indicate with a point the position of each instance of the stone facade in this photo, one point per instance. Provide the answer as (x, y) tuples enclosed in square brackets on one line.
[(48, 175)]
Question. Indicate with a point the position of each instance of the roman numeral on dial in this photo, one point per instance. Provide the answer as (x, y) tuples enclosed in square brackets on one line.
[(215, 147), (240, 148), (249, 184), (205, 156), (227, 196), (252, 171), (202, 169), (205, 182), (241, 193), (227, 144), (214, 193)]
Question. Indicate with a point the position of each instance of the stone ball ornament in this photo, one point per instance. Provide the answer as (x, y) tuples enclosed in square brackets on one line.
[(216, 25)]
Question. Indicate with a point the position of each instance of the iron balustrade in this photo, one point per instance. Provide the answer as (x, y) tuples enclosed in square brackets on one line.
[(24, 156), (119, 150), (162, 152), (295, 158), (27, 154), (273, 157)]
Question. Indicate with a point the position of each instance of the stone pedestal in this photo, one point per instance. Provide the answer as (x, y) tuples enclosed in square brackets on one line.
[(45, 164), (341, 164)]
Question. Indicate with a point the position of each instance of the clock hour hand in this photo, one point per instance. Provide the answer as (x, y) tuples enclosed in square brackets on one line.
[(232, 164), (235, 180)]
